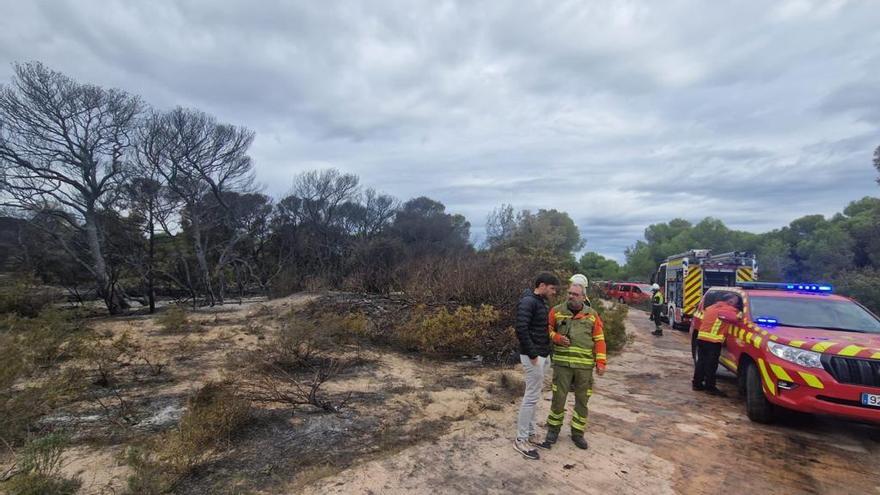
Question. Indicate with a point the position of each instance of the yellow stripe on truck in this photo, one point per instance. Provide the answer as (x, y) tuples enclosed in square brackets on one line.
[(693, 289), (822, 346), (780, 372), (850, 350), (812, 380), (728, 362), (768, 382)]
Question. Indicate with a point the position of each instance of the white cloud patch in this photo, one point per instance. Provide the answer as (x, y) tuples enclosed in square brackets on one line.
[(623, 114)]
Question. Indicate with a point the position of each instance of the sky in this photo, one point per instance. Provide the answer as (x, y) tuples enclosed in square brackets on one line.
[(621, 114)]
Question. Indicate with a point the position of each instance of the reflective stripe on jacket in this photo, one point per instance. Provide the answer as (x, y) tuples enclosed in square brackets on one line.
[(716, 322)]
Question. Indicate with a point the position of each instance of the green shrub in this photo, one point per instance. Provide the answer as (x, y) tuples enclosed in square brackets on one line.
[(45, 340), (104, 357), (444, 332), (213, 415), (302, 339), (31, 348), (148, 477), (36, 484), (39, 463), (22, 407), (174, 320), (614, 319), (23, 296)]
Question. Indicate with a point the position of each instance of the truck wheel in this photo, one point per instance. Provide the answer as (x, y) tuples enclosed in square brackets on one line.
[(758, 408)]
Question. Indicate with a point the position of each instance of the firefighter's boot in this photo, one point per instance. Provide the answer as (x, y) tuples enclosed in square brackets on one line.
[(550, 439), (579, 441)]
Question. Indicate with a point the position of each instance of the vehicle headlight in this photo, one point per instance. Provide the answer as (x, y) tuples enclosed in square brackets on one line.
[(794, 355)]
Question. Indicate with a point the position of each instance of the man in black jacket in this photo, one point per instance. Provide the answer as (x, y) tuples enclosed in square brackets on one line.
[(534, 349)]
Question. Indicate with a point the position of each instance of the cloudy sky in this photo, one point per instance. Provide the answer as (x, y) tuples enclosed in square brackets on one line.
[(621, 113)]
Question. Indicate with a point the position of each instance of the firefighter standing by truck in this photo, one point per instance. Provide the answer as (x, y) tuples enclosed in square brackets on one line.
[(578, 346), (657, 303), (713, 326)]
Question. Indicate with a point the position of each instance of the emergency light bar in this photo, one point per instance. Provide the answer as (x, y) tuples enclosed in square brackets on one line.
[(818, 288), (766, 321)]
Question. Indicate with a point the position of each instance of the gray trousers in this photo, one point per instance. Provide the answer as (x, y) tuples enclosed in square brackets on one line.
[(534, 378)]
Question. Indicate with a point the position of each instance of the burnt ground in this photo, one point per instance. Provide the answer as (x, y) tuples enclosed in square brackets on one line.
[(415, 425)]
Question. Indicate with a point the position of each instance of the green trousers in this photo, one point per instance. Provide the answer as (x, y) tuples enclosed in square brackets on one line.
[(579, 381)]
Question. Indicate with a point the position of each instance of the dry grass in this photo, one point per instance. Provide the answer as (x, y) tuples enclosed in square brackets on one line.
[(214, 415), (38, 465), (174, 320)]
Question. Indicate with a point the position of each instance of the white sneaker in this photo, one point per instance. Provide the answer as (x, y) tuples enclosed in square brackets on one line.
[(525, 448)]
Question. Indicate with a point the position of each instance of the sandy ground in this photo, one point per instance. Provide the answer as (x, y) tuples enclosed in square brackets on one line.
[(648, 433), (448, 427)]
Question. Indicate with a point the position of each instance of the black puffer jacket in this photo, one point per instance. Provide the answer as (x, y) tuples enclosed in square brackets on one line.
[(531, 325)]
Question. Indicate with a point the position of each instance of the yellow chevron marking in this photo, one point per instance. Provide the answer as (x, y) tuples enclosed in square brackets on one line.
[(768, 382), (822, 346), (850, 350), (812, 380), (780, 372)]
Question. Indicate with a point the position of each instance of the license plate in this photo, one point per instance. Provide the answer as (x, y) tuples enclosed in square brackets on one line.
[(872, 400)]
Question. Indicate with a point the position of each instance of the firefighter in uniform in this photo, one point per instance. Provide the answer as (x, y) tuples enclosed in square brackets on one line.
[(578, 347), (713, 325), (657, 303)]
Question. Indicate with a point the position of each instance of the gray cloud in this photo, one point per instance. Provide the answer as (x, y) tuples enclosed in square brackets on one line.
[(622, 114)]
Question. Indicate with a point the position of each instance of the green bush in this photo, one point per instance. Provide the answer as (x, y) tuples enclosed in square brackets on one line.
[(42, 341), (614, 319), (174, 320), (39, 463), (444, 332), (301, 339), (104, 357), (149, 477), (36, 484), (31, 348), (213, 415), (23, 296), (22, 407)]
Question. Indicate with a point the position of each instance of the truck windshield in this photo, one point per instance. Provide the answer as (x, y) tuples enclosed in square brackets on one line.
[(815, 313)]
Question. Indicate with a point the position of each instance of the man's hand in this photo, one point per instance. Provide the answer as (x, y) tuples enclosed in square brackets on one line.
[(534, 361), (600, 370), (565, 341)]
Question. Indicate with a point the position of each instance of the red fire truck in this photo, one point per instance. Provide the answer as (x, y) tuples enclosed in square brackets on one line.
[(684, 278)]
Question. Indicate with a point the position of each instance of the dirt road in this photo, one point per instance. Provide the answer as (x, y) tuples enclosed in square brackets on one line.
[(648, 433)]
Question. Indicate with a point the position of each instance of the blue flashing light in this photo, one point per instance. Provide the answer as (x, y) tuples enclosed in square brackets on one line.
[(817, 288), (766, 321)]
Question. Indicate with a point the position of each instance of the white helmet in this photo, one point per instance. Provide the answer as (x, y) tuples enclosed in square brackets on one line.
[(579, 279), (655, 287)]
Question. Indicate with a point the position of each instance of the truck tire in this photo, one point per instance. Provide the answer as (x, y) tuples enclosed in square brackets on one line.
[(758, 408)]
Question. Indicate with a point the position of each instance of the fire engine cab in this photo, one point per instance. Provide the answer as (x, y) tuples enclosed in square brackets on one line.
[(684, 278), (803, 348)]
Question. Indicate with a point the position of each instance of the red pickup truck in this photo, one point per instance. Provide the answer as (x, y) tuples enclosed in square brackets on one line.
[(803, 348)]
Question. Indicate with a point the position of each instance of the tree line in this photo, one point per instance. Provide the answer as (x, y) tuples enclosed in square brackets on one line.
[(111, 198), (843, 250)]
